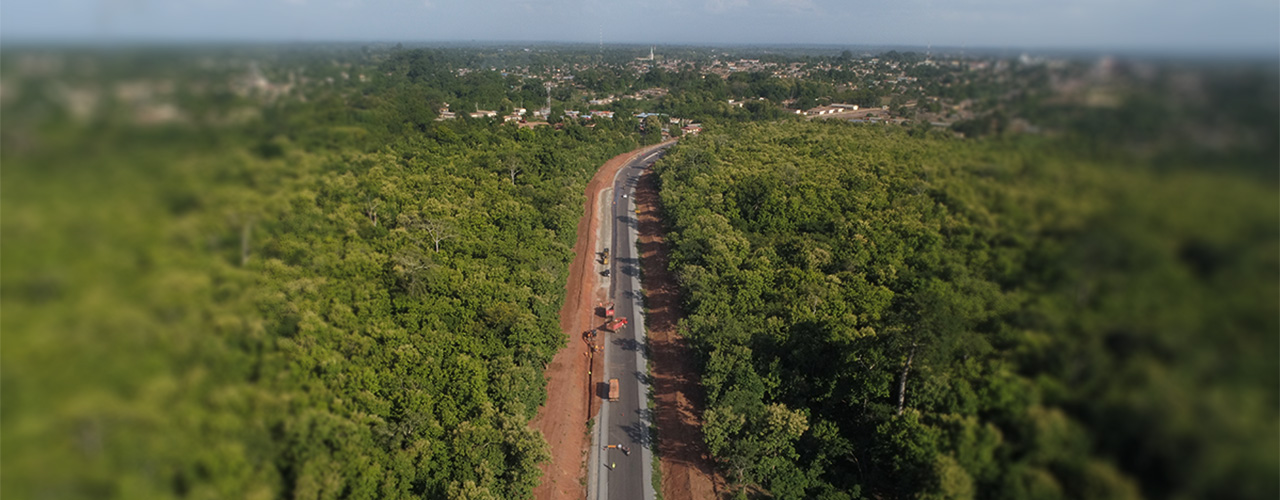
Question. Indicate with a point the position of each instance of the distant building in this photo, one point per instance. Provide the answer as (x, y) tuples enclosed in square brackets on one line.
[(481, 113), (445, 114), (823, 110)]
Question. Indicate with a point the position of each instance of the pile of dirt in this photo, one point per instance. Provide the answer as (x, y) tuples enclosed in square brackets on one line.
[(687, 467)]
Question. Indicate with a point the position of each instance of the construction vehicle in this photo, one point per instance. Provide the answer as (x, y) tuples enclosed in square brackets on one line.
[(615, 325), (607, 309), (605, 257), (613, 389)]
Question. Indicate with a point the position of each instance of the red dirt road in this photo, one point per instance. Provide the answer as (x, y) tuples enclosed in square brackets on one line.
[(687, 470), (563, 419)]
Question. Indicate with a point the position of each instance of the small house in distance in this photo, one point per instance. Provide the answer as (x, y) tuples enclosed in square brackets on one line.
[(444, 114), (823, 110)]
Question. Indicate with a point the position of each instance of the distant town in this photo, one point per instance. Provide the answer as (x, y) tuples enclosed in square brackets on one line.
[(677, 88)]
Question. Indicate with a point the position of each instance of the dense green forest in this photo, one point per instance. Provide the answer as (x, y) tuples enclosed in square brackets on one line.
[(282, 271), (336, 299), (891, 313)]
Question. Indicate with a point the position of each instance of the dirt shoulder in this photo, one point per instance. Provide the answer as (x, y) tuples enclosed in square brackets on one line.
[(687, 470), (563, 419)]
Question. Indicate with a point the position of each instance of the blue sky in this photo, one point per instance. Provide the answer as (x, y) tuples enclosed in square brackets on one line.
[(1176, 25)]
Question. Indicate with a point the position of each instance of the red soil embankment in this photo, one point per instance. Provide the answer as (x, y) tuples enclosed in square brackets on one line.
[(563, 419), (687, 467)]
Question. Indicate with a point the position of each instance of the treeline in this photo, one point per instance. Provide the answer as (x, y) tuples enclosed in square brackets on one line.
[(1176, 114), (266, 311), (890, 314)]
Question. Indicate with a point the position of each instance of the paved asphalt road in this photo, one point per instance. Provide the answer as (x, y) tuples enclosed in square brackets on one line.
[(626, 421)]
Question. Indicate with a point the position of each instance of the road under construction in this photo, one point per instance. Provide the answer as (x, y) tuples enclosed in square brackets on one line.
[(621, 457)]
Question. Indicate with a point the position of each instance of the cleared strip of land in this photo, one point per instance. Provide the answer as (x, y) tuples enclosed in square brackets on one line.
[(563, 419), (687, 467)]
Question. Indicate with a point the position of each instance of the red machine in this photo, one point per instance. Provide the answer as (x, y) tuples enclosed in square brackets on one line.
[(607, 307), (616, 324)]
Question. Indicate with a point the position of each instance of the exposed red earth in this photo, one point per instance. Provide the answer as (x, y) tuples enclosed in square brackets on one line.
[(687, 467), (563, 419)]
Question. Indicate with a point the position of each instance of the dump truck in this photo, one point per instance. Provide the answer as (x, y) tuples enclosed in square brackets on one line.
[(607, 308), (613, 389)]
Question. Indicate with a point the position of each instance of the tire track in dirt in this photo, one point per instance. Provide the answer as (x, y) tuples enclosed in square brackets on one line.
[(687, 468)]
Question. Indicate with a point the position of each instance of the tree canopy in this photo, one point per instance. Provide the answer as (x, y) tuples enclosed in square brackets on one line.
[(219, 313), (881, 313)]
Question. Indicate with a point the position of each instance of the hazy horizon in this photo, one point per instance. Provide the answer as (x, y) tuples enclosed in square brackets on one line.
[(1238, 26)]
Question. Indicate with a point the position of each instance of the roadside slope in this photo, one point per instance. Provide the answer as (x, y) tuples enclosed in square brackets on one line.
[(563, 419), (687, 468)]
